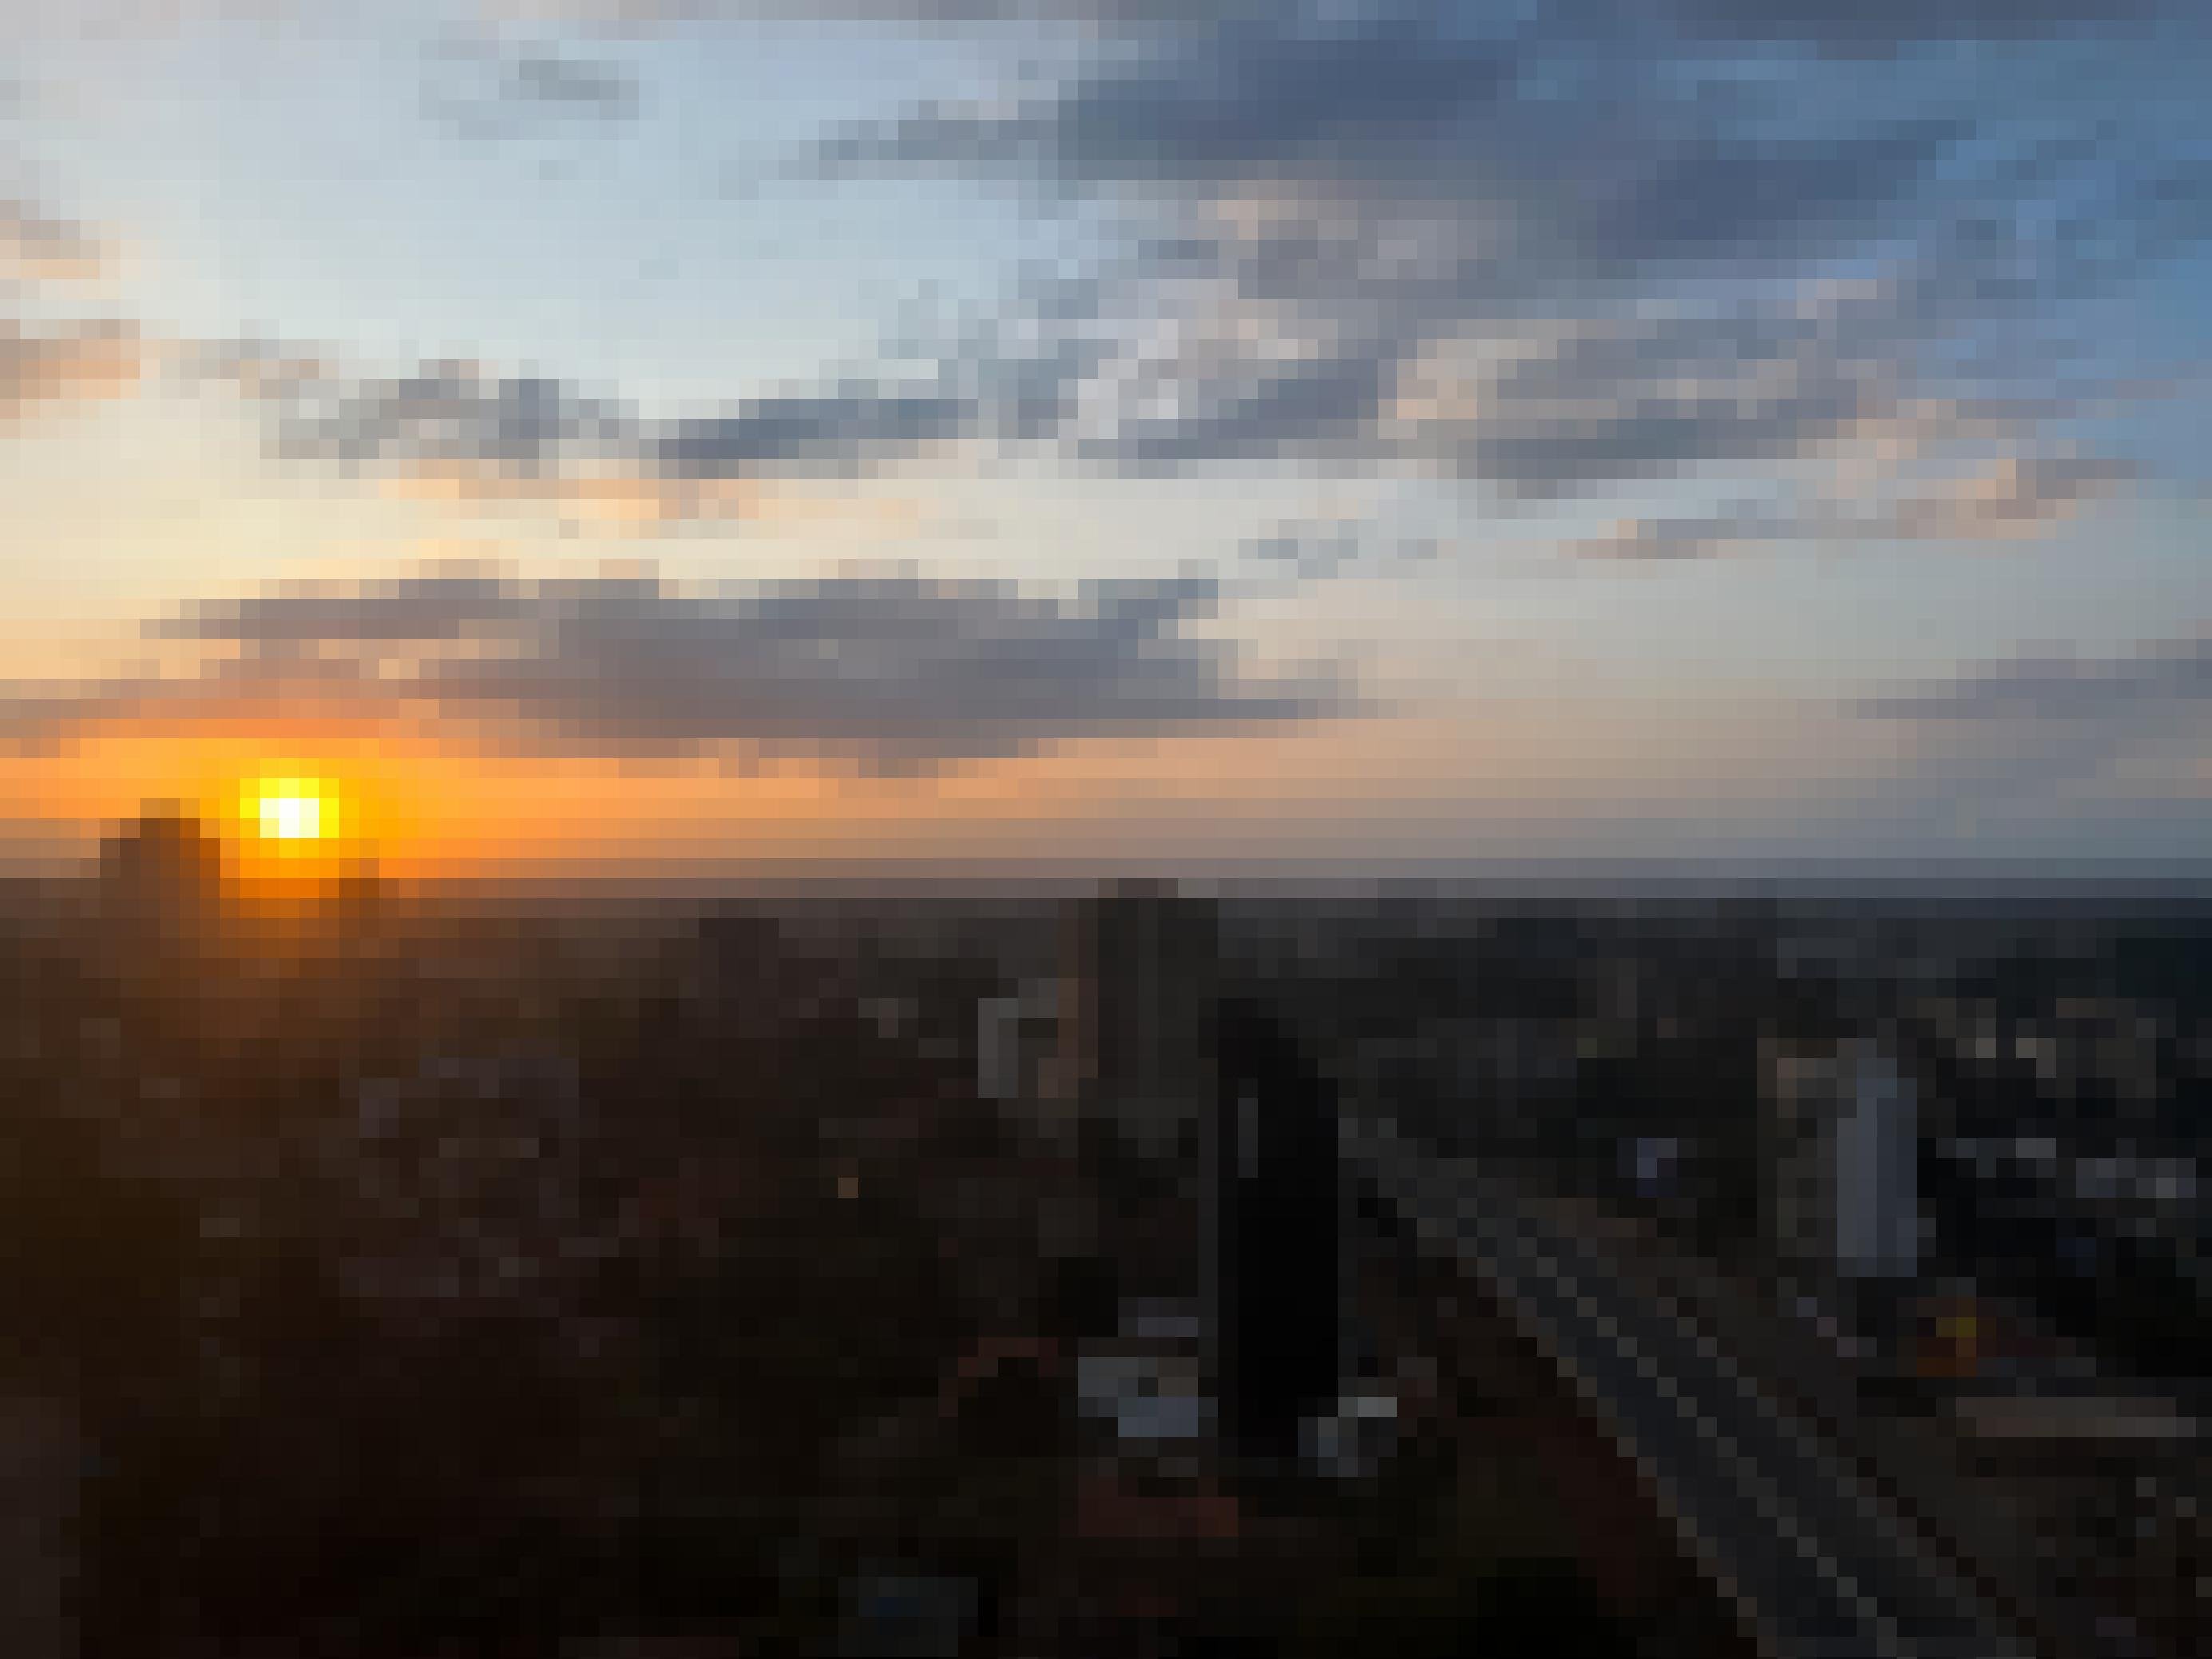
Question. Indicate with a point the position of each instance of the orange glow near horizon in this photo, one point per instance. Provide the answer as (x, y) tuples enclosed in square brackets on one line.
[(340, 800), (291, 829), (301, 814)]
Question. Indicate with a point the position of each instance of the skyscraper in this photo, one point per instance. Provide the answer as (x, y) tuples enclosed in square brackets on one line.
[(1273, 1200), (1145, 972)]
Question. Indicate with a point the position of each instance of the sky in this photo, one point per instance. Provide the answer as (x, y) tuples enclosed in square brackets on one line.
[(641, 437)]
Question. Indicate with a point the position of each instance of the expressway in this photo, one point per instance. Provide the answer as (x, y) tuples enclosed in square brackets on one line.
[(1818, 1565)]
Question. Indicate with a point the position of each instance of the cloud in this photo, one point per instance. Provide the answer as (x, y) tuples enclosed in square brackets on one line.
[(439, 604), (481, 87), (2083, 752), (1425, 104), (460, 433), (832, 432), (1573, 251), (2014, 496), (2159, 679), (884, 671), (1558, 408), (38, 247), (1253, 95), (1559, 253), (1839, 25), (71, 363), (1541, 406), (1553, 129), (635, 14), (1887, 26), (48, 364)]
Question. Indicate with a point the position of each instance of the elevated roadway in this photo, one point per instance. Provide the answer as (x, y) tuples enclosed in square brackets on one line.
[(1818, 1565)]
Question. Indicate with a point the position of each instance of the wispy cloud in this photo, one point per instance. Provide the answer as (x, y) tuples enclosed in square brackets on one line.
[(47, 363), (2101, 753), (2014, 496), (463, 433), (1844, 25), (2161, 678), (483, 87), (36, 245), (1886, 26), (42, 368)]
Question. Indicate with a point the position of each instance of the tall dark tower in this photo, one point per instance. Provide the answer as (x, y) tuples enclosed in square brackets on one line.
[(1273, 1199), (1138, 1045)]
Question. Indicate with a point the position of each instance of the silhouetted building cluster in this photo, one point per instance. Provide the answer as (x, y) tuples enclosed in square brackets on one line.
[(832, 1276)]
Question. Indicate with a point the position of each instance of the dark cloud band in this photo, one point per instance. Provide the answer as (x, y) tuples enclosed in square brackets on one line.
[(889, 671)]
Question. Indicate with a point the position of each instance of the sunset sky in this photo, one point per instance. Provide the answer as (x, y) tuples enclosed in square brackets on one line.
[(1354, 438)]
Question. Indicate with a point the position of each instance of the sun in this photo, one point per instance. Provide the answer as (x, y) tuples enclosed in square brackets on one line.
[(292, 814), (291, 817)]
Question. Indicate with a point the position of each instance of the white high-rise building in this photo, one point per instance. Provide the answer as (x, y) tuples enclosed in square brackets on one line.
[(1877, 1172), (1842, 1161)]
